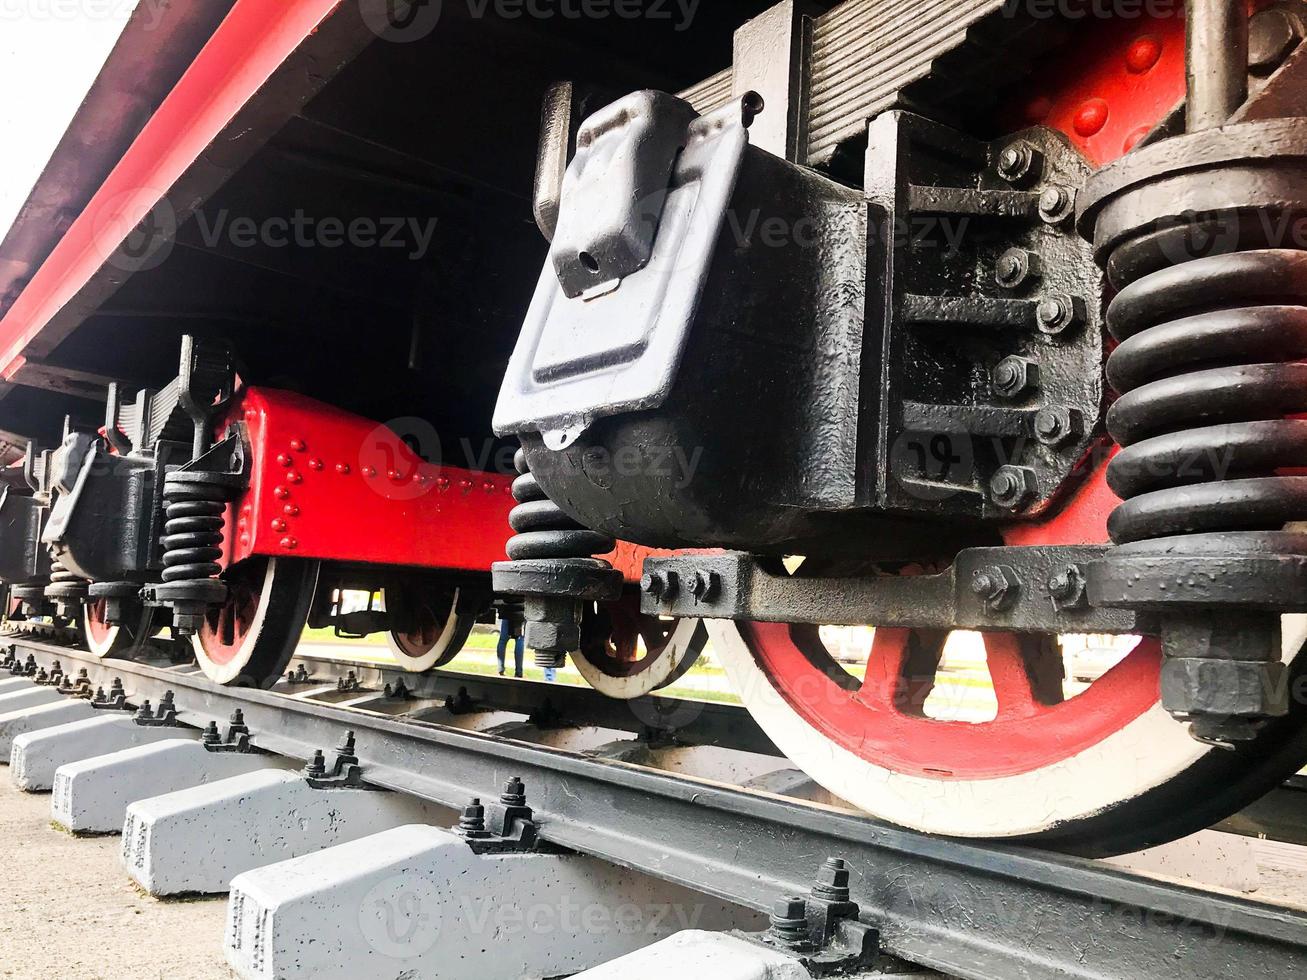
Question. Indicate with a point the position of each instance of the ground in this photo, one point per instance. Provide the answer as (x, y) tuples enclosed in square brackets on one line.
[(71, 912)]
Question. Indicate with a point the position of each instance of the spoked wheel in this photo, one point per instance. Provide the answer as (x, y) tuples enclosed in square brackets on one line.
[(1104, 772), (106, 640), (611, 659), (249, 640), (436, 633)]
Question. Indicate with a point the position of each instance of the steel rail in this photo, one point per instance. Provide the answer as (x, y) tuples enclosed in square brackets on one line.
[(984, 912)]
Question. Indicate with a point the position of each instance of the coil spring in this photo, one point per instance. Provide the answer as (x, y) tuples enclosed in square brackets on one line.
[(1208, 369), (59, 575), (543, 530), (192, 538)]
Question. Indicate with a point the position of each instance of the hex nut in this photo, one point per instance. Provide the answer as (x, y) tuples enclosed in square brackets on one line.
[(1057, 426), (1019, 162), (1013, 376), (1016, 267), (1012, 486), (1229, 688)]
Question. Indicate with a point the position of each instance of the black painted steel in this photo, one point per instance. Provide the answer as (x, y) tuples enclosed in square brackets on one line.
[(988, 913)]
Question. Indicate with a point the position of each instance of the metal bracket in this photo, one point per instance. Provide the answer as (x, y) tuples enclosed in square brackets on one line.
[(1021, 589)]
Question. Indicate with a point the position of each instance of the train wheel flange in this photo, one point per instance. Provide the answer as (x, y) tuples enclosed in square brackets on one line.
[(104, 639), (250, 638), (609, 658)]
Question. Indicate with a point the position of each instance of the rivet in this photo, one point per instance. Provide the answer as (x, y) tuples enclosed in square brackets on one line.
[(1091, 117), (1133, 139), (369, 471), (465, 484), (242, 523), (289, 543), (290, 510), (247, 508), (245, 540), (283, 459), (293, 477), (1143, 54), (392, 475), (298, 445), (251, 414), (281, 493), (488, 487), (315, 464), (278, 524), (342, 469), (442, 483)]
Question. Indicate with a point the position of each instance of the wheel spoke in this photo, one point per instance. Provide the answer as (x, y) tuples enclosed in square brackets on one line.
[(1026, 673)]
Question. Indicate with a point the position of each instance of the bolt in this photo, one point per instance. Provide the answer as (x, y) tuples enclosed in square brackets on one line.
[(116, 688), (996, 585), (705, 586), (654, 584), (1016, 267), (1014, 376), (1056, 426), (514, 793), (1012, 486), (346, 746), (472, 823), (1018, 161), (1058, 312), (1272, 34), (210, 734), (1067, 588), (832, 883), (789, 921), (144, 712), (1055, 204), (317, 767)]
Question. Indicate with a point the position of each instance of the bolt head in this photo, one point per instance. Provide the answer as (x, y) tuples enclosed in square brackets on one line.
[(1058, 313), (1057, 426), (1018, 161), (1272, 34), (1015, 267), (1012, 487), (653, 584), (1055, 204), (1014, 376)]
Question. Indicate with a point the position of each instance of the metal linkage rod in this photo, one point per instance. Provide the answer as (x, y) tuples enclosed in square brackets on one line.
[(1216, 61)]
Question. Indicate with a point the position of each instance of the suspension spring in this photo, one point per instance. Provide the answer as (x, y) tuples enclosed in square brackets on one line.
[(67, 589), (552, 566), (1208, 369), (1201, 235), (192, 539), (543, 530)]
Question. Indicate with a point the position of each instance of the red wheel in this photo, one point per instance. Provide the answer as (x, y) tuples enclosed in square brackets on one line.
[(436, 633), (611, 659), (249, 640), (106, 640), (1102, 772)]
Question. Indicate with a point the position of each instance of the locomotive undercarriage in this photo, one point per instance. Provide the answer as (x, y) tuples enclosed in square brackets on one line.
[(841, 310), (889, 424)]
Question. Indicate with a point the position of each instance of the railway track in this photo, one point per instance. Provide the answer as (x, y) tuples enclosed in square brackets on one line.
[(1027, 913)]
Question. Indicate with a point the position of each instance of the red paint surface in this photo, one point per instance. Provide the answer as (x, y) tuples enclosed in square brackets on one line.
[(248, 46), (328, 484), (878, 722)]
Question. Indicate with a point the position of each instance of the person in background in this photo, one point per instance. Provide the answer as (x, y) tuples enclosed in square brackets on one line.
[(510, 628)]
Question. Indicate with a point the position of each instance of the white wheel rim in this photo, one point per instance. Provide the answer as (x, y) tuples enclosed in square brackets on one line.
[(230, 671), (1147, 752), (416, 665), (99, 648), (663, 671)]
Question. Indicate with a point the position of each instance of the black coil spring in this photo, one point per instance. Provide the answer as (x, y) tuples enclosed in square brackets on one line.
[(1208, 368), (59, 575), (543, 530), (192, 531)]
